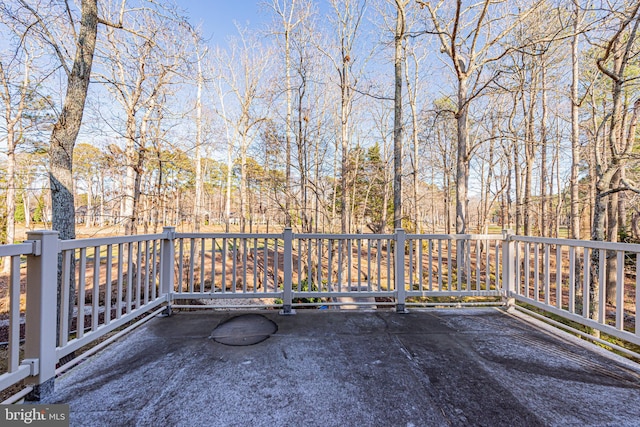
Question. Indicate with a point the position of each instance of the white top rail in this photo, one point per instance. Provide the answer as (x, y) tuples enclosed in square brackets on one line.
[(456, 236), (27, 248), (228, 236), (16, 249), (591, 244), (101, 241), (354, 236)]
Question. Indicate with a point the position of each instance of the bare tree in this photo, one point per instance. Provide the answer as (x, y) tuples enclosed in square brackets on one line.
[(67, 127), (200, 80), (15, 76), (468, 39), (414, 88), (139, 64), (348, 17), (613, 157), (574, 231), (398, 125), (291, 14), (86, 161), (438, 139), (240, 73)]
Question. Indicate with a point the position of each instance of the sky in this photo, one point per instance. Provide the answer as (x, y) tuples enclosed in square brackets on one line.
[(217, 17)]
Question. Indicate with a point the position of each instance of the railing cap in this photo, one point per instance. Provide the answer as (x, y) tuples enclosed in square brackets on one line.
[(34, 233), (169, 232), (507, 232)]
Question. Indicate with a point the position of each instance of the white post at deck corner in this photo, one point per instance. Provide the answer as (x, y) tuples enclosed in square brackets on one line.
[(287, 294), (41, 311), (167, 263), (508, 268), (398, 251)]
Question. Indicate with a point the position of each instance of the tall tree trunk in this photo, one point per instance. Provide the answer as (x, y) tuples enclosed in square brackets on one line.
[(412, 92), (592, 165), (303, 160), (287, 82), (65, 131), (132, 156), (344, 141), (506, 197), (397, 114), (334, 197), (560, 200), (613, 229), (197, 209), (544, 216), (574, 228), (63, 139), (227, 202), (243, 181), (487, 204), (462, 178), (11, 191), (623, 229), (446, 177), (462, 158), (517, 183), (529, 151)]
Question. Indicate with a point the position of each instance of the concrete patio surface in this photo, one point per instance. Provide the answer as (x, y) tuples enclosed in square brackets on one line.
[(353, 368)]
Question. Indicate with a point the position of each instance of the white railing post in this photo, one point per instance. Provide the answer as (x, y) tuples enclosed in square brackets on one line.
[(287, 292), (167, 265), (508, 268), (398, 252), (41, 312)]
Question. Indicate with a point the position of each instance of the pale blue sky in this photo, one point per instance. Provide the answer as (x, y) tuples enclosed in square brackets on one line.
[(217, 16)]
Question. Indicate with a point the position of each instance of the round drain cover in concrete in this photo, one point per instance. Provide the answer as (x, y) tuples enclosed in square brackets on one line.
[(246, 329)]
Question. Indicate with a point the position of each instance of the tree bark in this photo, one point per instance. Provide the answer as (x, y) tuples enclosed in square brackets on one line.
[(197, 209), (345, 169), (530, 152), (288, 191), (412, 94), (397, 114), (574, 228), (132, 156), (544, 216), (462, 158), (65, 131), (64, 135)]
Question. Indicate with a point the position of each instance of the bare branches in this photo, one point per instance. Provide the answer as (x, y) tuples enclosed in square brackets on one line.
[(617, 75), (625, 185), (118, 24), (50, 39)]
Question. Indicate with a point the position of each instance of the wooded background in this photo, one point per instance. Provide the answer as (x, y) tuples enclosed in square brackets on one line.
[(332, 116)]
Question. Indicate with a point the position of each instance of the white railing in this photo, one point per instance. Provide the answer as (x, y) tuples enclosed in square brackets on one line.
[(569, 278), (454, 265), (222, 265), (295, 270), (114, 281), (327, 267), (16, 368), (108, 283)]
